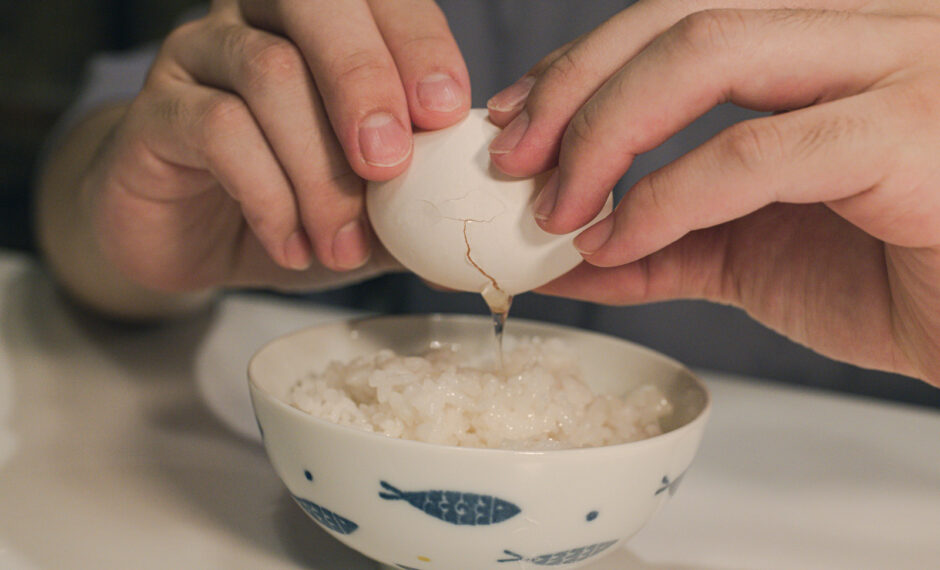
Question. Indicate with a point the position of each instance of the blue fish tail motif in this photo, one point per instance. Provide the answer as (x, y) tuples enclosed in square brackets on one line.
[(513, 556), (394, 493), (327, 518), (670, 486), (454, 507)]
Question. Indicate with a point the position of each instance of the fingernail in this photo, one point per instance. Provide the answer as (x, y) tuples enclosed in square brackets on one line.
[(509, 138), (512, 97), (297, 250), (351, 246), (594, 238), (383, 140), (439, 92), (545, 202)]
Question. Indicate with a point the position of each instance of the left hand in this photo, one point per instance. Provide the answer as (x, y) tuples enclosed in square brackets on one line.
[(822, 221)]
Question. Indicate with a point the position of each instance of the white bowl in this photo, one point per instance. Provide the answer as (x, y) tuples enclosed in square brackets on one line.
[(387, 497)]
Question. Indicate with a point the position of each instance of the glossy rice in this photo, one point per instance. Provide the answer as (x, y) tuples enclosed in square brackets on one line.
[(538, 401)]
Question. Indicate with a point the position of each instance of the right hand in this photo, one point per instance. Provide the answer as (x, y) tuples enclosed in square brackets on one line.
[(242, 160), (821, 221)]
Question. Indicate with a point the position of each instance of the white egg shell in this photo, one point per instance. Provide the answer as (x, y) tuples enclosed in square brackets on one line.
[(455, 220)]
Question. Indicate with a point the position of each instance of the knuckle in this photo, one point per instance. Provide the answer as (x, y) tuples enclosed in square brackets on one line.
[(710, 30), (564, 70), (234, 40), (656, 189), (266, 62), (432, 37), (337, 193), (655, 196), (134, 136), (169, 110), (337, 196), (807, 19), (223, 117), (361, 66), (546, 62), (426, 43), (582, 128), (826, 132), (751, 144), (274, 64)]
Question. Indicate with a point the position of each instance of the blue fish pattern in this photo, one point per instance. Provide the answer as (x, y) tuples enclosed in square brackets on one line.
[(455, 507), (327, 518), (671, 486), (563, 557)]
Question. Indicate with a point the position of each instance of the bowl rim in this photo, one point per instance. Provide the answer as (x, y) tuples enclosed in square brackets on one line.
[(352, 431)]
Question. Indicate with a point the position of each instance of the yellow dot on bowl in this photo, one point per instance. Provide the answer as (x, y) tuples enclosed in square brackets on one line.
[(424, 559)]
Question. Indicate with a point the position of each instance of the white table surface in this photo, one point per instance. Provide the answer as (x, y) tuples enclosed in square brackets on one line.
[(110, 457)]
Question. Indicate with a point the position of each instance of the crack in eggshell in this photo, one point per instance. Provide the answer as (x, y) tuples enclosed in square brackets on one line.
[(466, 237), (498, 302), (469, 206), (466, 240), (494, 295)]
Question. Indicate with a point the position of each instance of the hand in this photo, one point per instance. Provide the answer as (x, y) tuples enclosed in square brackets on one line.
[(821, 220), (242, 160)]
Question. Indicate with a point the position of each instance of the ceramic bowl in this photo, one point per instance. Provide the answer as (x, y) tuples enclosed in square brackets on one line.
[(414, 505)]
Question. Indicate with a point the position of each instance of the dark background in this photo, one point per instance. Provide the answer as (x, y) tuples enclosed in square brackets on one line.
[(43, 50)]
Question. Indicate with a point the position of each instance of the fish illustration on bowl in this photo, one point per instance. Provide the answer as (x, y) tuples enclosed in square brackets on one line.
[(454, 507), (670, 486), (561, 557), (326, 517)]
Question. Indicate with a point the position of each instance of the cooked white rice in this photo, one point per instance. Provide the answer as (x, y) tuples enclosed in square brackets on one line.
[(538, 401)]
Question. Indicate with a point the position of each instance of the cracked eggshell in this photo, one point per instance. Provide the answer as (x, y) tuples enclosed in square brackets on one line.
[(455, 220)]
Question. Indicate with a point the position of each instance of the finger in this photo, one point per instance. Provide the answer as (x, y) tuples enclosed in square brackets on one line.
[(269, 73), (355, 75), (530, 145), (429, 62), (691, 268), (536, 109), (552, 92), (758, 59), (824, 153), (506, 105), (255, 269), (202, 128)]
